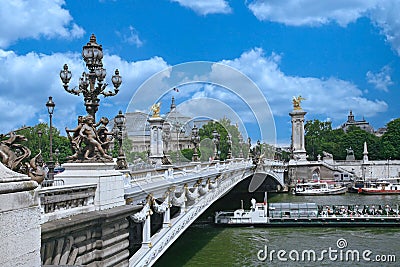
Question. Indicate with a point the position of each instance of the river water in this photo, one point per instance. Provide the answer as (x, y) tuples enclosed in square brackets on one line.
[(204, 244)]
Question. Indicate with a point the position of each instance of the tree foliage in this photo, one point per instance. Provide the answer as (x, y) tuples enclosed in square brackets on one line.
[(391, 140), (319, 137), (223, 127), (34, 141)]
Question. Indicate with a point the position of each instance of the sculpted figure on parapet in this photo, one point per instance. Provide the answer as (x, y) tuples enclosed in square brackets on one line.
[(14, 156), (87, 142)]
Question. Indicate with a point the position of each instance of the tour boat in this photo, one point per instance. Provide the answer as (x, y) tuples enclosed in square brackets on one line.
[(309, 214), (318, 189), (385, 187)]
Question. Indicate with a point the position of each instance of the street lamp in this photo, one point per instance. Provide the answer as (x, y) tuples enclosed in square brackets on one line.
[(229, 141), (249, 150), (178, 127), (39, 133), (216, 138), (120, 122), (50, 109), (166, 135), (240, 146), (195, 140), (91, 84), (57, 153)]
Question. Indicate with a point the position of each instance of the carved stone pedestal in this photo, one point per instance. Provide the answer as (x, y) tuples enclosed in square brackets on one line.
[(19, 220), (110, 182)]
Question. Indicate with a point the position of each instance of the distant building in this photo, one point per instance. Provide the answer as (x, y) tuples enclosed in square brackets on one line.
[(380, 131), (363, 124)]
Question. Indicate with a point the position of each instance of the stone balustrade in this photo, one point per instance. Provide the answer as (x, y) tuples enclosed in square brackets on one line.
[(156, 181), (58, 202)]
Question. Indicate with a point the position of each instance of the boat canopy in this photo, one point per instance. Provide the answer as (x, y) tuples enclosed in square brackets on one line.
[(293, 209)]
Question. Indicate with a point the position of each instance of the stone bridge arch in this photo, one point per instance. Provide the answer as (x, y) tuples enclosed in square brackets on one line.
[(266, 181)]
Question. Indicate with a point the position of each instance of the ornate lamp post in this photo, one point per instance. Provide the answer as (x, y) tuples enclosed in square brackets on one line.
[(195, 140), (39, 133), (249, 145), (177, 125), (166, 135), (216, 138), (91, 84), (229, 141), (50, 109), (120, 122), (240, 146), (57, 153)]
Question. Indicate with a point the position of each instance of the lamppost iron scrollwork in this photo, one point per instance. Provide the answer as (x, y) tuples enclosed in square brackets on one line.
[(91, 84)]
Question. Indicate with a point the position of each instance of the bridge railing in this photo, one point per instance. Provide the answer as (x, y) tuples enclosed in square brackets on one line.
[(174, 172), (58, 202)]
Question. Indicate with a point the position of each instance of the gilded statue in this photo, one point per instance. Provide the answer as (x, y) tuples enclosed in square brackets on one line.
[(297, 101), (156, 110)]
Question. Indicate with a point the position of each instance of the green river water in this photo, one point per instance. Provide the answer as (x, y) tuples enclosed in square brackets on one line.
[(204, 244)]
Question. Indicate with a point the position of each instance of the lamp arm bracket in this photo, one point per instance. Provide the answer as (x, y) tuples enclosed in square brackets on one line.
[(73, 90)]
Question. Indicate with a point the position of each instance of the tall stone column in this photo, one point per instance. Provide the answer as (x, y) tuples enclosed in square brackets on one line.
[(156, 141), (298, 144), (19, 220)]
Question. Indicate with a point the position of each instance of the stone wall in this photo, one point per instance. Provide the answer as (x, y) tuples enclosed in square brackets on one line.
[(19, 220), (97, 238)]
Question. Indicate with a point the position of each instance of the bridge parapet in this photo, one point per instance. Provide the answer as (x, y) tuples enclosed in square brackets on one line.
[(58, 202), (157, 181)]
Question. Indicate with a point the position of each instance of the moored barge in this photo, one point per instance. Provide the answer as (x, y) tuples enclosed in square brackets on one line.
[(310, 214)]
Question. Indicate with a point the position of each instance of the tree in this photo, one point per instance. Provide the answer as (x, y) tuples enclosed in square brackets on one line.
[(315, 134), (319, 137), (391, 140), (59, 142), (223, 127)]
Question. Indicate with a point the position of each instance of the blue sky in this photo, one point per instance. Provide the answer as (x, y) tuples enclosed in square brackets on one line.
[(339, 55)]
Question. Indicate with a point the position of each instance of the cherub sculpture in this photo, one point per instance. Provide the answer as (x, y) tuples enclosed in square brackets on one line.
[(89, 143)]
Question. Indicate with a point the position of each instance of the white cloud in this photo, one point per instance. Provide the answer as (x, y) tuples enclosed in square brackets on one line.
[(310, 12), (383, 13), (132, 37), (386, 17), (34, 19), (381, 79), (330, 97), (26, 81), (204, 7)]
